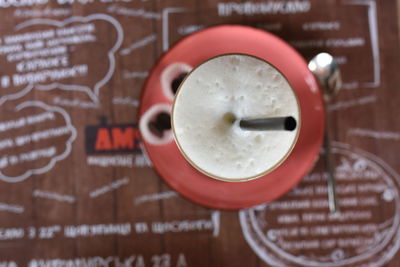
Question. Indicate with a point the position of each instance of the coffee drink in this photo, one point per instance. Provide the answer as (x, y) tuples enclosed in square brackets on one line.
[(209, 105)]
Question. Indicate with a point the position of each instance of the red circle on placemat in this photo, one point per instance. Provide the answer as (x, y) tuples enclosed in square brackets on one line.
[(208, 43)]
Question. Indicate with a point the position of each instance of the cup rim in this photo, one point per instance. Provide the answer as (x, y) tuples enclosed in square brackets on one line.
[(216, 177)]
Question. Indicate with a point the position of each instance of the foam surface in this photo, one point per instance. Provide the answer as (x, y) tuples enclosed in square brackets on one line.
[(247, 87)]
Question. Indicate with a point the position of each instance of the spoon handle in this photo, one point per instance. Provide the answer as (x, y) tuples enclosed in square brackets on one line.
[(332, 197), (328, 75)]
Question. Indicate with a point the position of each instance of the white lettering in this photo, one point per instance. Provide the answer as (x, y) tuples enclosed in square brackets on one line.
[(321, 26), (181, 226), (11, 233), (29, 120), (351, 103), (54, 196), (107, 161), (155, 197), (75, 103), (51, 12), (135, 74), (11, 208), (42, 135), (72, 231), (270, 7), (120, 10), (110, 187), (37, 154), (29, 36), (49, 75), (126, 101), (374, 134)]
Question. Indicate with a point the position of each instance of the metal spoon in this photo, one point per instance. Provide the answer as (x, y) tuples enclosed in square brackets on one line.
[(324, 67)]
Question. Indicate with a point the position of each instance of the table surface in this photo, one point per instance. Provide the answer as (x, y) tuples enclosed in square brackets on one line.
[(77, 188)]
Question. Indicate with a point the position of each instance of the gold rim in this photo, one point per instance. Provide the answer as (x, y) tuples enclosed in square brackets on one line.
[(241, 179)]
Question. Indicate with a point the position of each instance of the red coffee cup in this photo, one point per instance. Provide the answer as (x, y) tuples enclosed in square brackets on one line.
[(167, 158)]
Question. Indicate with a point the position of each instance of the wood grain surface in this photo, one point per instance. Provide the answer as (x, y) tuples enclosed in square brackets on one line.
[(76, 188)]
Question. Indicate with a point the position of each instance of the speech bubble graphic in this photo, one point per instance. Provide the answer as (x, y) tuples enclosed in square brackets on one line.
[(33, 139), (298, 229), (48, 54)]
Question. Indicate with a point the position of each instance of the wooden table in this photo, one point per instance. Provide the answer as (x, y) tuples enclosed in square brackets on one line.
[(77, 190)]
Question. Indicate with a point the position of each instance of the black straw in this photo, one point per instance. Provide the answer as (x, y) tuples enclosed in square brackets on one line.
[(269, 124)]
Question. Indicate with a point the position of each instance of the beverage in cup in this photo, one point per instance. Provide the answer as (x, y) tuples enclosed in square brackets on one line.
[(211, 109)]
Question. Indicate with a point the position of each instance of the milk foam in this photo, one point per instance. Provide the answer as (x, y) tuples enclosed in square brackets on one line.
[(247, 87)]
